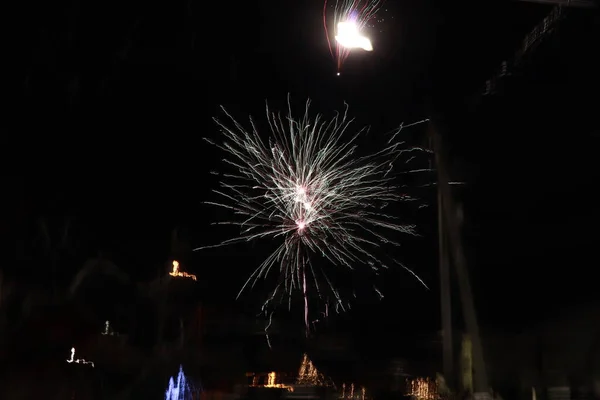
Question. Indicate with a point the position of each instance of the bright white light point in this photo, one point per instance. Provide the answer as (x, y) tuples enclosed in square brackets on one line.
[(349, 37), (301, 224), (338, 74)]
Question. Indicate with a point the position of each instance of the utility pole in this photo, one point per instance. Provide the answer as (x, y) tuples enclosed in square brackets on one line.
[(450, 237), (445, 293)]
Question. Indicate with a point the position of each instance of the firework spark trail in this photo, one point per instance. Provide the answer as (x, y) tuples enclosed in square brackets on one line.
[(308, 189), (356, 12)]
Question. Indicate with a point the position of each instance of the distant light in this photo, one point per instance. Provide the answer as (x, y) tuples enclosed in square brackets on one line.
[(177, 273), (271, 382), (78, 361), (338, 74), (108, 330)]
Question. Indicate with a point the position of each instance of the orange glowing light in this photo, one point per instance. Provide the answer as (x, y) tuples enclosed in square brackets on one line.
[(423, 389), (308, 374), (271, 379), (349, 393), (271, 382), (179, 274)]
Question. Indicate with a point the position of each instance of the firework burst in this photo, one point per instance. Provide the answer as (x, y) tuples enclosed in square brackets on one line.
[(348, 22), (307, 191)]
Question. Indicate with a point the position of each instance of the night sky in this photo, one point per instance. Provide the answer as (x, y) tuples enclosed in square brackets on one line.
[(114, 99)]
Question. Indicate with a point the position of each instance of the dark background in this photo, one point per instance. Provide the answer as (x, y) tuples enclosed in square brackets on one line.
[(115, 97)]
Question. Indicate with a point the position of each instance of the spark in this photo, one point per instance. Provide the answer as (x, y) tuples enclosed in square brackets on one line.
[(267, 326), (378, 292), (350, 18), (309, 192)]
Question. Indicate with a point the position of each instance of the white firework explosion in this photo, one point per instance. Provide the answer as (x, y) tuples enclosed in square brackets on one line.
[(307, 189)]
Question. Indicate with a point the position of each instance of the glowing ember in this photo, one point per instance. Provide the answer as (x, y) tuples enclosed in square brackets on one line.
[(179, 274)]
